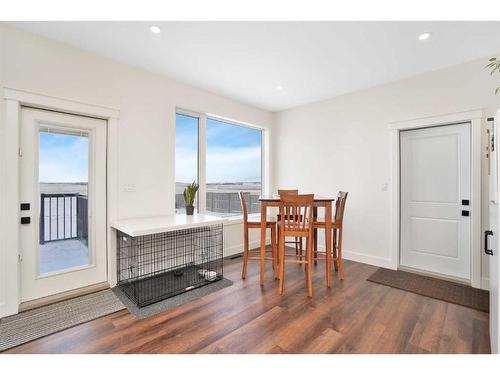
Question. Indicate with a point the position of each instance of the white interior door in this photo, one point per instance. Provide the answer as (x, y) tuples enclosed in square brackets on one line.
[(63, 179), (491, 245), (435, 199)]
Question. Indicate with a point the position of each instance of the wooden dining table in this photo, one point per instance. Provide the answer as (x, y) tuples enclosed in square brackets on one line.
[(319, 201)]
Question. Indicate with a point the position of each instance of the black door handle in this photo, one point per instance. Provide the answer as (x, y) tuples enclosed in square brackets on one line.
[(486, 234)]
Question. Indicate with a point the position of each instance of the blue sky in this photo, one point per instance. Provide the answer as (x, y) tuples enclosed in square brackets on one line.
[(233, 152), (63, 158)]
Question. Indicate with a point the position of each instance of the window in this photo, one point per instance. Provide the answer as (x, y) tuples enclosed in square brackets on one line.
[(186, 156), (229, 161), (233, 164), (63, 168)]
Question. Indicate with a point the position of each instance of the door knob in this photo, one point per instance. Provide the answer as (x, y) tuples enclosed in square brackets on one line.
[(486, 234)]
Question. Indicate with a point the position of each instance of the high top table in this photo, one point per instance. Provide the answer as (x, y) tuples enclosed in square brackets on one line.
[(319, 201)]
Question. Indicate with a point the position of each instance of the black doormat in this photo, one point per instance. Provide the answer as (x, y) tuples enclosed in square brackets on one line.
[(435, 288)]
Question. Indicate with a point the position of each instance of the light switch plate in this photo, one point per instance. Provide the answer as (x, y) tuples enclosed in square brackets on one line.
[(129, 188)]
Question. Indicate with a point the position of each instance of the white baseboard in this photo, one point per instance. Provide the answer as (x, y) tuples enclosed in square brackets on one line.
[(365, 258), (237, 249), (485, 283), (368, 259)]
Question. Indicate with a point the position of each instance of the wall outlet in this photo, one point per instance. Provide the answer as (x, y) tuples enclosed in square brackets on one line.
[(384, 186)]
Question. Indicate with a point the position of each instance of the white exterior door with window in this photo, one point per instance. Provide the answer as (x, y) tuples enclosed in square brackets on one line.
[(63, 203), (435, 200), (491, 238)]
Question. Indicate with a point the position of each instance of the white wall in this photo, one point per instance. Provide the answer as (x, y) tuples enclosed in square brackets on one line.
[(344, 144), (146, 129)]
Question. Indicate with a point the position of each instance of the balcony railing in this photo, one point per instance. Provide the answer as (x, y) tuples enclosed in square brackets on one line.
[(225, 203), (63, 217)]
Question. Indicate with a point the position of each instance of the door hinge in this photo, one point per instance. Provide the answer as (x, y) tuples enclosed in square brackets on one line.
[(20, 257), (20, 152)]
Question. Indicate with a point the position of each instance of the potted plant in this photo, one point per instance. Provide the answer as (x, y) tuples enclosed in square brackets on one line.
[(189, 197), (494, 66)]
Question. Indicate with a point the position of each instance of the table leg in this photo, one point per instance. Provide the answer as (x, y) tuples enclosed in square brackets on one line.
[(328, 235), (263, 219)]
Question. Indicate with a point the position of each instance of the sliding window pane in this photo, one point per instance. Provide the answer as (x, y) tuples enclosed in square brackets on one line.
[(233, 164), (186, 156)]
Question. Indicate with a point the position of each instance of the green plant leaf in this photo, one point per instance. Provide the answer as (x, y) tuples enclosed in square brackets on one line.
[(190, 193)]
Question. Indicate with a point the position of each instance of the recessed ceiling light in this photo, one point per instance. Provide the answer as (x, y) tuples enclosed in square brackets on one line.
[(155, 29), (424, 36), (279, 87)]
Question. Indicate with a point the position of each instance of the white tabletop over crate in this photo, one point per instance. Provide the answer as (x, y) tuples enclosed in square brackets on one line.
[(168, 223)]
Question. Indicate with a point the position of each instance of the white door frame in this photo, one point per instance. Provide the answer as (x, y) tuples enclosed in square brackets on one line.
[(475, 117), (13, 100)]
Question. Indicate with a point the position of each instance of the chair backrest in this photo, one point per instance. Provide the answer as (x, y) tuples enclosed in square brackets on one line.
[(296, 211), (340, 206), (243, 206), (284, 191)]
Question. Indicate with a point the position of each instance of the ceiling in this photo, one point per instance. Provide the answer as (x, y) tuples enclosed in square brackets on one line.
[(312, 61)]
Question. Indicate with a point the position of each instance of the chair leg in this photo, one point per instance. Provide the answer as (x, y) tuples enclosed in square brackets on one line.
[(328, 263), (245, 253), (315, 241), (296, 246), (309, 267), (274, 252), (278, 241), (334, 251), (339, 256), (282, 263)]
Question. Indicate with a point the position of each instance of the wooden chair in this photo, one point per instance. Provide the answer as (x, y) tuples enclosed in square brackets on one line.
[(256, 225), (296, 220), (285, 191), (337, 228), (297, 242), (338, 225)]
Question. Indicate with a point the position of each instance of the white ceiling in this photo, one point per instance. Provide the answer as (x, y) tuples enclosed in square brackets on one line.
[(311, 60)]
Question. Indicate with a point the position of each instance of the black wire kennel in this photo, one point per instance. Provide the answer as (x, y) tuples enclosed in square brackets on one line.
[(154, 267)]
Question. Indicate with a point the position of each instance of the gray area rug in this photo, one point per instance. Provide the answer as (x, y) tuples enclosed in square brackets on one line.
[(43, 321), (435, 288), (33, 324), (170, 303)]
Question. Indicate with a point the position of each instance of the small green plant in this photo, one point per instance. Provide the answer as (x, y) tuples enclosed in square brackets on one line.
[(494, 65), (190, 194)]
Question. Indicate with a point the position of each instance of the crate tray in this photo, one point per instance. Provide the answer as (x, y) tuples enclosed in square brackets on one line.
[(149, 290)]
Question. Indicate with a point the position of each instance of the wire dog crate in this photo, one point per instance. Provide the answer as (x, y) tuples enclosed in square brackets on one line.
[(158, 266)]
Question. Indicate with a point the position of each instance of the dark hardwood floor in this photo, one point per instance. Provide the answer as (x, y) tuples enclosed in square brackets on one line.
[(354, 316)]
